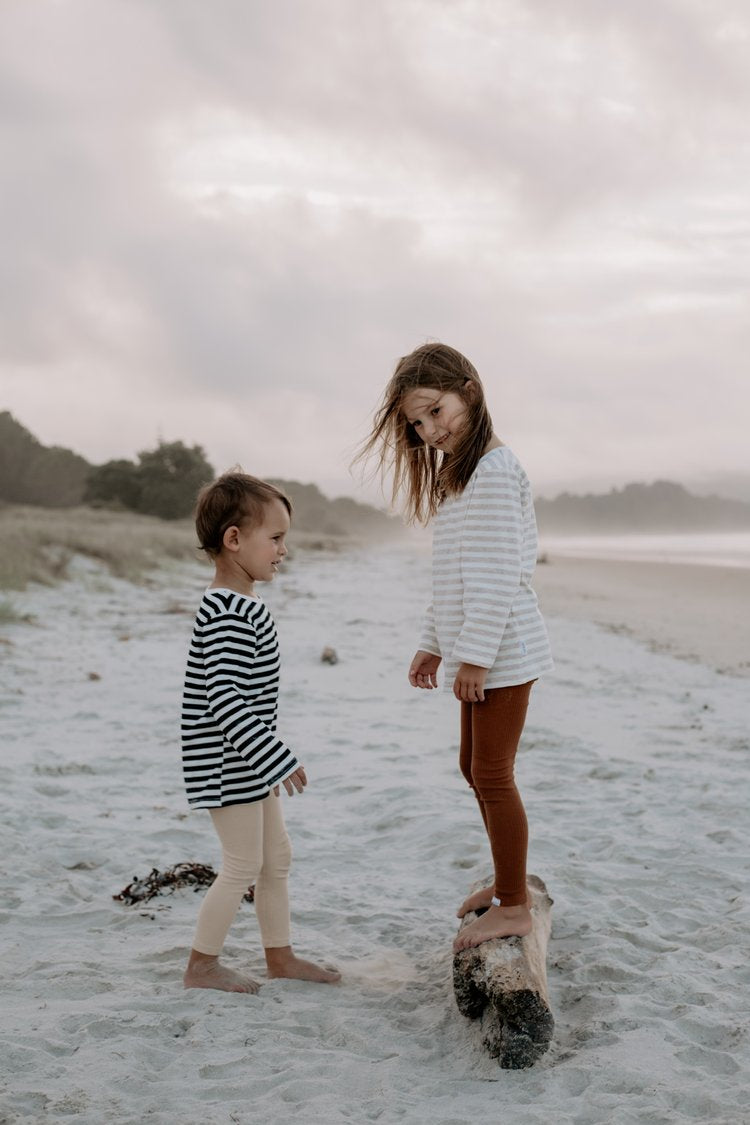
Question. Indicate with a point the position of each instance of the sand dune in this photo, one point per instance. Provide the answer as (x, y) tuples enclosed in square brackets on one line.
[(634, 768)]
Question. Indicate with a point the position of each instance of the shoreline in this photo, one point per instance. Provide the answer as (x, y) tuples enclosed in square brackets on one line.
[(691, 611)]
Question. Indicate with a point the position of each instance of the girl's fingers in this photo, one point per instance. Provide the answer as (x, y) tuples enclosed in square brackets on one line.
[(468, 692)]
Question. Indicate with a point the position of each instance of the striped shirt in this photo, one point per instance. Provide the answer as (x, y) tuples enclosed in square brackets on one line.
[(231, 754), (484, 547)]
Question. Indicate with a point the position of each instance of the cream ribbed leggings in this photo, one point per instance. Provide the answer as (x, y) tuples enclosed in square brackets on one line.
[(256, 849)]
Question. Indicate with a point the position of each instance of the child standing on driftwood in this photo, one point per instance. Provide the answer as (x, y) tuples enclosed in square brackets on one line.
[(434, 429), (234, 762)]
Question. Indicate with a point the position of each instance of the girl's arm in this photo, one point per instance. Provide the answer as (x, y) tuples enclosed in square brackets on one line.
[(491, 551), (428, 641), (229, 645), (424, 666)]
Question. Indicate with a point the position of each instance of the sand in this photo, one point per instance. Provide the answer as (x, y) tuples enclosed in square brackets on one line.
[(698, 613), (634, 770)]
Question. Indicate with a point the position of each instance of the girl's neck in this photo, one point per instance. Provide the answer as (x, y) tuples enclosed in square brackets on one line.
[(493, 443)]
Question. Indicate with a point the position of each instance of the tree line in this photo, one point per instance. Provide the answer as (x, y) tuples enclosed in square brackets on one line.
[(161, 482)]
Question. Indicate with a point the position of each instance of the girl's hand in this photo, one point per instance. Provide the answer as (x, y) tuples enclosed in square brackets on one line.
[(423, 670), (296, 780), (468, 685)]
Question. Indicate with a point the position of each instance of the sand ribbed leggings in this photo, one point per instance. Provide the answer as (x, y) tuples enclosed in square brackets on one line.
[(256, 849), (490, 733)]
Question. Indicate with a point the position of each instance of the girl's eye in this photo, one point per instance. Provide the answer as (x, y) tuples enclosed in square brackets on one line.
[(417, 423), (436, 410)]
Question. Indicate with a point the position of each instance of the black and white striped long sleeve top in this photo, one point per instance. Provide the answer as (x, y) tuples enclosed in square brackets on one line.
[(231, 754), (484, 610)]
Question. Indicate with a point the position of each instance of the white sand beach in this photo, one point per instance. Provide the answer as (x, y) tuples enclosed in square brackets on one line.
[(634, 770), (698, 613)]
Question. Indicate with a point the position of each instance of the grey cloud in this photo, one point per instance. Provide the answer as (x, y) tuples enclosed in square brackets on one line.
[(281, 293)]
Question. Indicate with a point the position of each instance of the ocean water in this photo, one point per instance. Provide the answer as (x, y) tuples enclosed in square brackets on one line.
[(704, 549)]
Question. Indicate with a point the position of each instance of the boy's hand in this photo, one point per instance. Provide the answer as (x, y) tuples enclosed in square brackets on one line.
[(296, 780), (423, 670), (468, 685)]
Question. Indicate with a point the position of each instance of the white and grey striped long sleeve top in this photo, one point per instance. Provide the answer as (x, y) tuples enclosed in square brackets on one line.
[(484, 548), (231, 754)]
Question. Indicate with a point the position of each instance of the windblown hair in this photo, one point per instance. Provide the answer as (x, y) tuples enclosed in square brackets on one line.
[(422, 475), (234, 499)]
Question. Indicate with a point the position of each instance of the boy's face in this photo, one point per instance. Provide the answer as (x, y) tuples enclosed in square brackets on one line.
[(260, 549)]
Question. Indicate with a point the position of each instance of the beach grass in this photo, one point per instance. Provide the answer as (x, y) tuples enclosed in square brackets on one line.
[(38, 544), (9, 615)]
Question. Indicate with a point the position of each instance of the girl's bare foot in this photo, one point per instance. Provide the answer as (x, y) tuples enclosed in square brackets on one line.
[(204, 971), (481, 900), (496, 922), (282, 962)]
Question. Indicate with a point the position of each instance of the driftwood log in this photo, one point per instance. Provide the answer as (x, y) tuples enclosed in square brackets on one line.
[(503, 983)]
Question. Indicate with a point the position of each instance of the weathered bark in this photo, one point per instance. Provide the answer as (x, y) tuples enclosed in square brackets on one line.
[(504, 983)]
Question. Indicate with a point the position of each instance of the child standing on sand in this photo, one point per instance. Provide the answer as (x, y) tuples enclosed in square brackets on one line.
[(433, 428), (233, 760)]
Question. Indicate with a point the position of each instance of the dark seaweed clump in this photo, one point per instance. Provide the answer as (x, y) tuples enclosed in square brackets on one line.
[(195, 875)]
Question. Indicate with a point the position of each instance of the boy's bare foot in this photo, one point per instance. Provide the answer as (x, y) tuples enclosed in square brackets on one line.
[(481, 900), (207, 972), (496, 922), (282, 962)]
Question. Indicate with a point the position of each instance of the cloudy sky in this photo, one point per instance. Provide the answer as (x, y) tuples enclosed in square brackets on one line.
[(223, 223)]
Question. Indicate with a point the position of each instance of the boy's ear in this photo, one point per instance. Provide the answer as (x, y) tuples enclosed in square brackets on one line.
[(231, 538)]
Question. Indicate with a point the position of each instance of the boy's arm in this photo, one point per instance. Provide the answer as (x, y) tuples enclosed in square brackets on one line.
[(229, 645)]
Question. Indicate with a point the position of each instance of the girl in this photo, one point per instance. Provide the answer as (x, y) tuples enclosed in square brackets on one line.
[(433, 428), (233, 760)]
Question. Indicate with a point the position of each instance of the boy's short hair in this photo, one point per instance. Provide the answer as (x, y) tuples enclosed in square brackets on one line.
[(233, 499)]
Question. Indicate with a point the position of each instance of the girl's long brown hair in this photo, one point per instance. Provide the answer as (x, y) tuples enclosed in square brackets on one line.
[(423, 475)]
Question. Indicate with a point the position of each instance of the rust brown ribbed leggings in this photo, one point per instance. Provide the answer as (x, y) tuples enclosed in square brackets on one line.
[(490, 733)]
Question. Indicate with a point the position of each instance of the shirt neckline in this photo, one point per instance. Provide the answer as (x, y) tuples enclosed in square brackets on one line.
[(229, 590)]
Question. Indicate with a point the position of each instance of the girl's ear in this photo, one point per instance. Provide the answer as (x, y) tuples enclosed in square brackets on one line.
[(470, 389), (231, 538)]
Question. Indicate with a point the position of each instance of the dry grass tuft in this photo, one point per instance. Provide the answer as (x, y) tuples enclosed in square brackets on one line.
[(9, 615), (37, 544)]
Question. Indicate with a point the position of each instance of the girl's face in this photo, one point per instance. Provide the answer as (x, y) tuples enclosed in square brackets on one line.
[(437, 416)]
